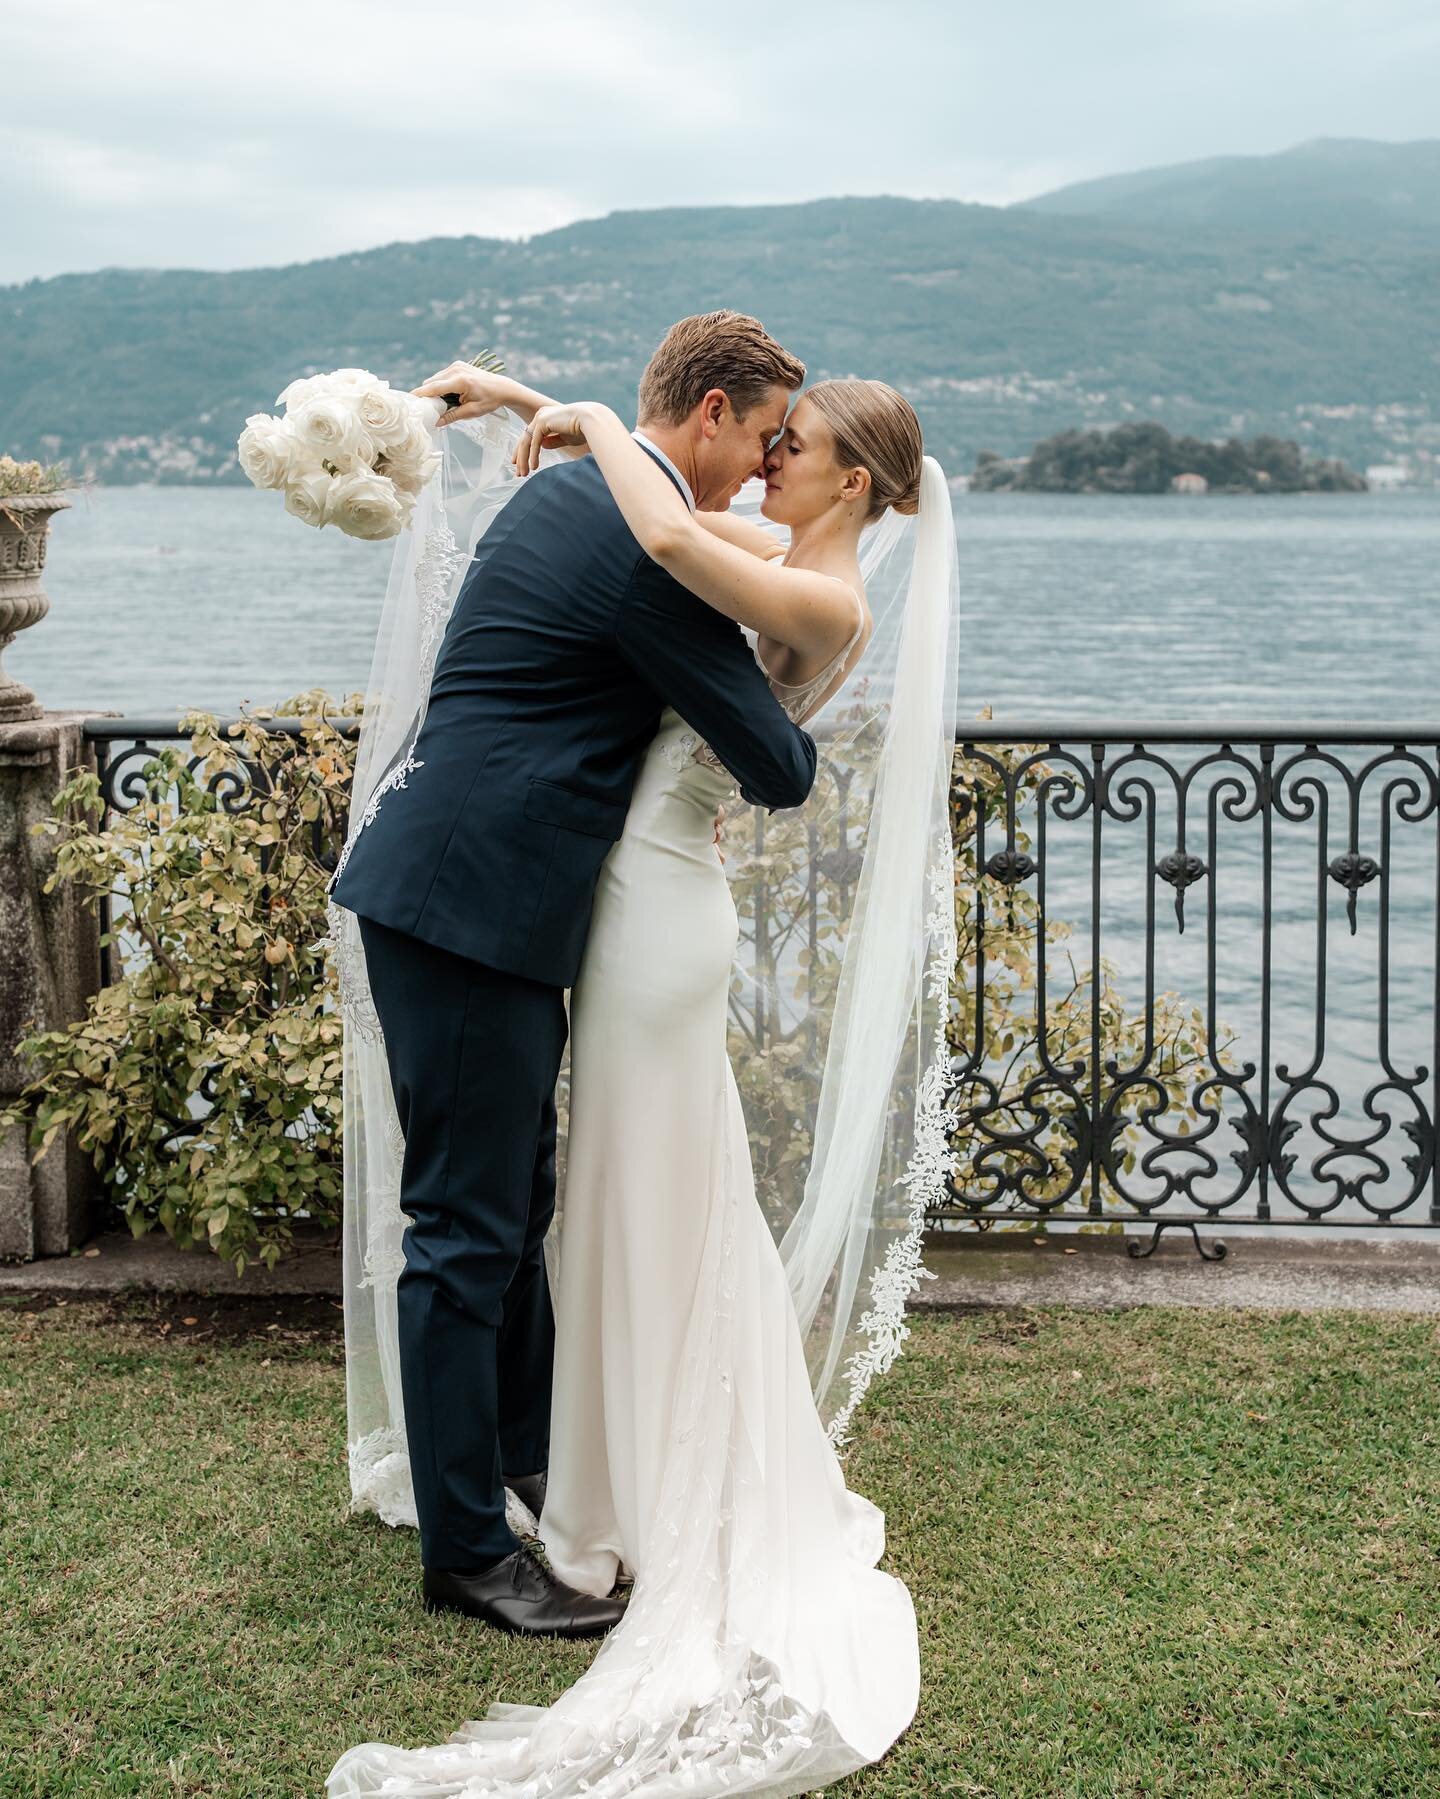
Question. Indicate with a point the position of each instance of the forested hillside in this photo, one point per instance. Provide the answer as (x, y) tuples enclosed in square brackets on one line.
[(1004, 325)]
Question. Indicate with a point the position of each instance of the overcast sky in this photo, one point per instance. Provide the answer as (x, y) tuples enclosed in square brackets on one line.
[(218, 134)]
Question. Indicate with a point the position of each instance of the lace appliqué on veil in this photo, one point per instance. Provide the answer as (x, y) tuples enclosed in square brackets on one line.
[(380, 1477), (380, 1482), (341, 944), (931, 1163)]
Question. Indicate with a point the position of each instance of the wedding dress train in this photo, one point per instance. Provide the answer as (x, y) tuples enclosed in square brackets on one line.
[(762, 1651)]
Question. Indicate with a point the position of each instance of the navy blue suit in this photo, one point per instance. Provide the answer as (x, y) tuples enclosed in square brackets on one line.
[(474, 885)]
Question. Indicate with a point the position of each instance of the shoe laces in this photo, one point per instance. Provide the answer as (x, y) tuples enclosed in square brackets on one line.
[(530, 1570)]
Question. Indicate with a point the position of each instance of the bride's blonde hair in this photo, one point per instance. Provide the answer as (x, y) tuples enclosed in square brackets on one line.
[(875, 428)]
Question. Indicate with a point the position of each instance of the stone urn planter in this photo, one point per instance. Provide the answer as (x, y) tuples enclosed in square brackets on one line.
[(24, 532)]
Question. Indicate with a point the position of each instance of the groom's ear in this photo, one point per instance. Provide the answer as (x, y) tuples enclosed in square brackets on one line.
[(712, 410)]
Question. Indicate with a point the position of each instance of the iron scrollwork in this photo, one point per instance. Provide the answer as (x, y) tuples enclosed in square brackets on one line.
[(1124, 1099), (1119, 1104)]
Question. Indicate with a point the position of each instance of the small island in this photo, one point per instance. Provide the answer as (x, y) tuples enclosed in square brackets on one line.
[(1145, 458)]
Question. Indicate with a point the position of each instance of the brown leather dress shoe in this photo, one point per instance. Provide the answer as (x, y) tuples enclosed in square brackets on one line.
[(521, 1595)]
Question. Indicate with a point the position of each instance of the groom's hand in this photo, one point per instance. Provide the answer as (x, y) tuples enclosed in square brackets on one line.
[(719, 827)]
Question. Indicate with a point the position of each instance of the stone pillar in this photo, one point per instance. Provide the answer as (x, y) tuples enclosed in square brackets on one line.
[(49, 967)]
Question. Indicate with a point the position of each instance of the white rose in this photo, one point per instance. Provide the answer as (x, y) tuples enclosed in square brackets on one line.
[(361, 460), (366, 505), (330, 425), (417, 448), (407, 480), (355, 381), (338, 381), (424, 419), (408, 470), (385, 414), (306, 497), (302, 390), (267, 450)]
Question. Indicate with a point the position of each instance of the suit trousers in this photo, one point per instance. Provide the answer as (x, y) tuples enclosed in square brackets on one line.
[(474, 1055)]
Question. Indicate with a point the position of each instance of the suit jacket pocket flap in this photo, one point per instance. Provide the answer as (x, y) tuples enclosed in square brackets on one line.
[(552, 804)]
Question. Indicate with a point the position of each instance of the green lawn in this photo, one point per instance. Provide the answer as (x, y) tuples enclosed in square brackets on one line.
[(1153, 1552)]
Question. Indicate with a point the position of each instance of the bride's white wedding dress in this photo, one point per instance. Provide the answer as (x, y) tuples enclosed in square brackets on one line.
[(762, 1650)]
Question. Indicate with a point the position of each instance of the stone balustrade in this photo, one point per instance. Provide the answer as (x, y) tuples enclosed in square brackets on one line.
[(49, 967)]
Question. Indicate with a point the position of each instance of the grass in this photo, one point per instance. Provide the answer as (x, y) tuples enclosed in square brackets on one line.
[(1153, 1552)]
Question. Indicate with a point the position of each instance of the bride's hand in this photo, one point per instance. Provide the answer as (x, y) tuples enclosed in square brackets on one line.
[(480, 391), (552, 428)]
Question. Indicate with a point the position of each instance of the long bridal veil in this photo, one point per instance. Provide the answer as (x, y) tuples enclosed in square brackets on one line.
[(453, 512), (840, 996)]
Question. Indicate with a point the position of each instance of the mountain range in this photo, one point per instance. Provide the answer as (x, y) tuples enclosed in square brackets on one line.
[(1297, 294), (1344, 186)]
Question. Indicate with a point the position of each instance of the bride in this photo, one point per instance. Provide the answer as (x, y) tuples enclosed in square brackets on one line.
[(704, 1372)]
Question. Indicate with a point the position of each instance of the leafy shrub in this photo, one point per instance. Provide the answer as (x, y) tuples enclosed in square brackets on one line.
[(206, 1080)]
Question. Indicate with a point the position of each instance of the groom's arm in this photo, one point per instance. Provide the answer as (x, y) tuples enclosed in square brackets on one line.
[(698, 662)]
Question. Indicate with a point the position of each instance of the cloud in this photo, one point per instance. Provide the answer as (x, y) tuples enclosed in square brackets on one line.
[(162, 133)]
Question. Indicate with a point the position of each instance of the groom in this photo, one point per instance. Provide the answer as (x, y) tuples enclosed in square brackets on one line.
[(473, 885)]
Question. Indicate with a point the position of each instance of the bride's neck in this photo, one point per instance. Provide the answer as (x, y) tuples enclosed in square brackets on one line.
[(832, 537)]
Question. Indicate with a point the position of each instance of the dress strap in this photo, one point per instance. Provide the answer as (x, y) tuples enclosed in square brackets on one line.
[(827, 673), (797, 701), (859, 621)]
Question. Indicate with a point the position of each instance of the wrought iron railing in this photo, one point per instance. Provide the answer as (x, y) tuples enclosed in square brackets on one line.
[(123, 746), (1300, 869), (1200, 969)]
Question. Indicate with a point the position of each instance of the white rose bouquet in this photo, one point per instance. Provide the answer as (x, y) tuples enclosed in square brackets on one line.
[(351, 451)]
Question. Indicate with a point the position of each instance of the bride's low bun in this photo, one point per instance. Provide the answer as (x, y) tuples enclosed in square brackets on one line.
[(876, 429)]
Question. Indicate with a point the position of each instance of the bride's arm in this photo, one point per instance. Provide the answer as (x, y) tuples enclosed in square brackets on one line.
[(809, 613), (742, 534)]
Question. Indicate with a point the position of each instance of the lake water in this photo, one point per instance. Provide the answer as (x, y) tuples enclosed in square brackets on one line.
[(1312, 606), (1306, 608)]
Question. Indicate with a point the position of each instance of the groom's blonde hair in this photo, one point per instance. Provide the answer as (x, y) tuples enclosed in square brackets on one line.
[(728, 350)]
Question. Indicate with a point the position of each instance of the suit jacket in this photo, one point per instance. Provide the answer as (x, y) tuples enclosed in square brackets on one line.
[(565, 643)]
